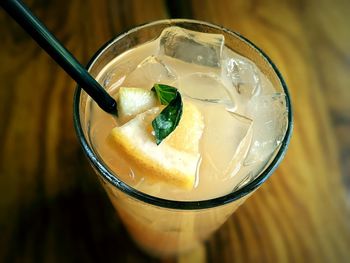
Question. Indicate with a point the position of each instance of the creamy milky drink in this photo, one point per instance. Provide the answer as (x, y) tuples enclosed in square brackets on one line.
[(203, 119)]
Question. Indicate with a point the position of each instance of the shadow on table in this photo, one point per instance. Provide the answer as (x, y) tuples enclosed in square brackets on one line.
[(75, 226)]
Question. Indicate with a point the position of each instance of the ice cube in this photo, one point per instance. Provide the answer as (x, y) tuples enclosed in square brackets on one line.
[(114, 76), (191, 46), (249, 176), (206, 88), (150, 71), (270, 123), (243, 75), (225, 142)]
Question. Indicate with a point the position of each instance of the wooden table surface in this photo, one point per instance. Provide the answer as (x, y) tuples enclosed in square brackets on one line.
[(52, 208)]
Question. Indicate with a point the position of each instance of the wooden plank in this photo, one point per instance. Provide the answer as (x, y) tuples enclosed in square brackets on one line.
[(302, 212), (52, 208), (47, 186)]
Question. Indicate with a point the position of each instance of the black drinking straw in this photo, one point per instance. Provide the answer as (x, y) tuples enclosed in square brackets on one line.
[(36, 29)]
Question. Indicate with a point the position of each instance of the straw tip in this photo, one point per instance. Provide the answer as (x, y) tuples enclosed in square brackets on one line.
[(112, 108)]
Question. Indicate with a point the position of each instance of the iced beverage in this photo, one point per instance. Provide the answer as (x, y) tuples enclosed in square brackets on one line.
[(232, 126)]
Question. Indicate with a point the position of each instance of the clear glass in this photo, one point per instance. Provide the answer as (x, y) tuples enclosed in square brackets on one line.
[(166, 227)]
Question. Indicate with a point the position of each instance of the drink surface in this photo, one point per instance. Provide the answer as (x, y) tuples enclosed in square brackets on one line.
[(244, 116)]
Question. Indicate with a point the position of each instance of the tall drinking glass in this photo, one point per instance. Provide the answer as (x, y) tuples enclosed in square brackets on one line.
[(159, 226)]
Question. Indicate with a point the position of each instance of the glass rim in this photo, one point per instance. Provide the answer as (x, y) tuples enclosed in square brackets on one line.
[(174, 204)]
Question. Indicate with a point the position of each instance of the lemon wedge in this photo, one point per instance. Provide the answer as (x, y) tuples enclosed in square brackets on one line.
[(175, 160), (132, 101)]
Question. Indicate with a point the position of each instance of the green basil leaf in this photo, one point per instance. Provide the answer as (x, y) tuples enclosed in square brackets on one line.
[(164, 93), (168, 118)]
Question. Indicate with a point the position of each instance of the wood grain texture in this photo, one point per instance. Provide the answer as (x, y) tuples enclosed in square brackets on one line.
[(52, 208)]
